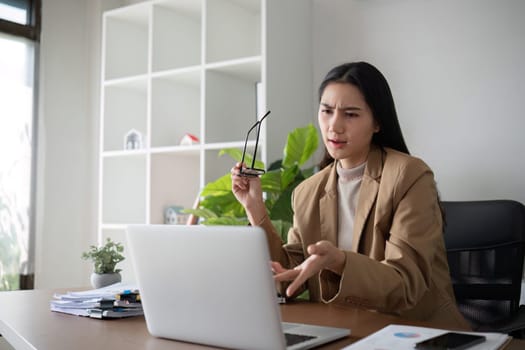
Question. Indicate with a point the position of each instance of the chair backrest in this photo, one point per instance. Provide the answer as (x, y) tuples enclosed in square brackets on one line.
[(485, 246)]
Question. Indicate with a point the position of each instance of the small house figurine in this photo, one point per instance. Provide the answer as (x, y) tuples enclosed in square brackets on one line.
[(133, 140), (173, 215), (189, 139)]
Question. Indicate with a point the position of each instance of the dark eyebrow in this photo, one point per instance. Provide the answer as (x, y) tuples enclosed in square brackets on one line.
[(349, 108)]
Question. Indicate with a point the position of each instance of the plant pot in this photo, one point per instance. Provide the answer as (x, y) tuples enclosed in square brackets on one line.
[(99, 280)]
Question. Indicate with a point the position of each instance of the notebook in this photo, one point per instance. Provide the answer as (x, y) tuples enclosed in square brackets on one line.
[(212, 285)]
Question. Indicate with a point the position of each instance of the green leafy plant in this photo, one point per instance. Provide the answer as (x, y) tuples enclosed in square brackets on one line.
[(218, 205), (106, 257)]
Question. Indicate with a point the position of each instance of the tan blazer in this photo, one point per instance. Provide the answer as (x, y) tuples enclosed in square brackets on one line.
[(398, 262)]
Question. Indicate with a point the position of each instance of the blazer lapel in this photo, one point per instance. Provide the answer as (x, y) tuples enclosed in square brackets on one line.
[(328, 208), (367, 193)]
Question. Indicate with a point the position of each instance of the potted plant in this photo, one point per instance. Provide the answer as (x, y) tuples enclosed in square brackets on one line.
[(105, 258), (218, 206)]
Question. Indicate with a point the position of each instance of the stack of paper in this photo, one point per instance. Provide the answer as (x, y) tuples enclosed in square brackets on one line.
[(405, 338), (114, 301)]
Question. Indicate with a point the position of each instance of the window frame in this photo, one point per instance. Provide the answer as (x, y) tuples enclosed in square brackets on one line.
[(30, 31)]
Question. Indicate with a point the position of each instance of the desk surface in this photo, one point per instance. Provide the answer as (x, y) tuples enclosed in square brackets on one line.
[(27, 323)]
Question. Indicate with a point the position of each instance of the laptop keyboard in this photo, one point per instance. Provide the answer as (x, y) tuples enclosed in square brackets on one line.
[(292, 339)]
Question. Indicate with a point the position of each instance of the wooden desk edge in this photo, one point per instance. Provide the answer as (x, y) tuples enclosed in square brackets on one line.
[(361, 322)]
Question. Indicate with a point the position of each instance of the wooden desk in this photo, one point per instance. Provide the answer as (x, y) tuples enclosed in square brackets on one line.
[(27, 323)]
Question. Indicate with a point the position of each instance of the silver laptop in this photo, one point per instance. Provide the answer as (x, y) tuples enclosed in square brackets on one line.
[(213, 285)]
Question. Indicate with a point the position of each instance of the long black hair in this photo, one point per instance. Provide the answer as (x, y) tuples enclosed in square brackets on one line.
[(374, 87)]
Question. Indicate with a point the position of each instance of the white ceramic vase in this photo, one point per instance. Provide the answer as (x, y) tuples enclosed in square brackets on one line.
[(99, 280)]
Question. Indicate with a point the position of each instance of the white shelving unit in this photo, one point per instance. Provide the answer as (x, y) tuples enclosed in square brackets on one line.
[(171, 67)]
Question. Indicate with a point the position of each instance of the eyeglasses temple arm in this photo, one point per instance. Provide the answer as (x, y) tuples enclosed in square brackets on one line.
[(258, 125), (246, 141), (257, 138)]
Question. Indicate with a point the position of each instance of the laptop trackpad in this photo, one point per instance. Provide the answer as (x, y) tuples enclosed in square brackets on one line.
[(297, 333)]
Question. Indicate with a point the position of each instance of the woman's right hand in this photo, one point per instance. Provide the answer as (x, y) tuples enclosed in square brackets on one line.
[(247, 190)]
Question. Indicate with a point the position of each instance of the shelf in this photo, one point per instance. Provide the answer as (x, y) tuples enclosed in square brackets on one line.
[(174, 182), (230, 103), (223, 145), (176, 71), (176, 34), (175, 108), (217, 166), (181, 150), (125, 108), (110, 227), (124, 190), (233, 29), (210, 68), (136, 80), (125, 153), (126, 41), (248, 68)]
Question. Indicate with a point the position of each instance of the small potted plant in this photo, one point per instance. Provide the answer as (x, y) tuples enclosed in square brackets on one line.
[(105, 258)]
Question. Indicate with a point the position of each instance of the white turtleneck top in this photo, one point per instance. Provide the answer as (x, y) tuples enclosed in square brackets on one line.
[(348, 185)]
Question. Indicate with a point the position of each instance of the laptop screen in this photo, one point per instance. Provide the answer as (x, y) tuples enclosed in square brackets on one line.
[(211, 285)]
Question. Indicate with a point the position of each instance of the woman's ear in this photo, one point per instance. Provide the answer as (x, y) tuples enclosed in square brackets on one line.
[(376, 127)]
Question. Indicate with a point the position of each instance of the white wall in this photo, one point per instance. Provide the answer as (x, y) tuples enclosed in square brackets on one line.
[(457, 72), (455, 68), (67, 140)]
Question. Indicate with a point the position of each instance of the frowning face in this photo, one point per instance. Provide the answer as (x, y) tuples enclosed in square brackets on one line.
[(347, 124)]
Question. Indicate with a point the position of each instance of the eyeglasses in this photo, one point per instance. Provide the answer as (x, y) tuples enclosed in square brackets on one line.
[(252, 170)]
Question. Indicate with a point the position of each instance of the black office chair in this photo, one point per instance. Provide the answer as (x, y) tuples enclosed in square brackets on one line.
[(485, 243)]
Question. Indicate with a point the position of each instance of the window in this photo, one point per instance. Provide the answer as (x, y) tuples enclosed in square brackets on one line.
[(15, 11), (19, 35)]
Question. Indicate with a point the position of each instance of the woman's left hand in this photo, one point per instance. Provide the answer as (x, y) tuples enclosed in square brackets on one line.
[(323, 255)]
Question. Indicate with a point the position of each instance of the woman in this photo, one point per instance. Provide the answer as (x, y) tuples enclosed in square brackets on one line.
[(367, 228)]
